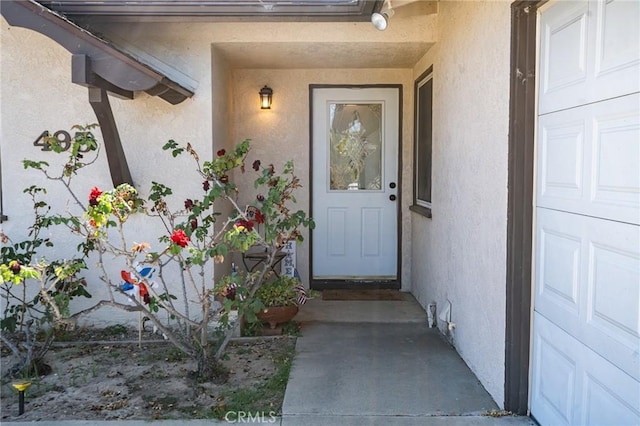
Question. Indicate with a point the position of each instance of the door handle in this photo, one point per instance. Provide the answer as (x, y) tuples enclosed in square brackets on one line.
[(392, 197)]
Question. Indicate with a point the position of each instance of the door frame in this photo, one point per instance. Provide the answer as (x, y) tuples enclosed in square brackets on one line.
[(358, 284), (522, 125)]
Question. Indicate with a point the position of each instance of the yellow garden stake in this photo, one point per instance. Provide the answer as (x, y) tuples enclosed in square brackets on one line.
[(21, 387)]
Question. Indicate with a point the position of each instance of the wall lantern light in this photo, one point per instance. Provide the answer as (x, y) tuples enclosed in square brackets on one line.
[(380, 20), (266, 94)]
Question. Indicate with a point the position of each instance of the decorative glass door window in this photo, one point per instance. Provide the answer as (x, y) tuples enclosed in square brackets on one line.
[(355, 146)]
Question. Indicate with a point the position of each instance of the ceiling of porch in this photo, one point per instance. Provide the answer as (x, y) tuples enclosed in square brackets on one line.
[(273, 34), (307, 55)]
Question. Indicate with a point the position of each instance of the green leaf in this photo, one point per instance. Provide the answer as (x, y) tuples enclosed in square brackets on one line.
[(169, 145)]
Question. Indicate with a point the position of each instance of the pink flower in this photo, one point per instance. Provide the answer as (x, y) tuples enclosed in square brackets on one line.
[(180, 238)]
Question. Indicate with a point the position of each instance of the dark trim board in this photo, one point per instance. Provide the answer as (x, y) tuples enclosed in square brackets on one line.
[(522, 122), (357, 284), (414, 207)]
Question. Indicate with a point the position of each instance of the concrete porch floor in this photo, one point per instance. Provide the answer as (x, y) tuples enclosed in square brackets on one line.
[(378, 363)]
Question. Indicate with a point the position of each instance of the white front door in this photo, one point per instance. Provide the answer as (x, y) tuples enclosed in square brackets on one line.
[(355, 183), (586, 321)]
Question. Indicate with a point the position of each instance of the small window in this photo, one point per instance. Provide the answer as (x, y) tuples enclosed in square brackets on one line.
[(423, 144)]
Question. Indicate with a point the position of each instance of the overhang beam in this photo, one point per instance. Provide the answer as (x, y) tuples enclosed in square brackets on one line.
[(118, 166), (102, 68), (114, 66)]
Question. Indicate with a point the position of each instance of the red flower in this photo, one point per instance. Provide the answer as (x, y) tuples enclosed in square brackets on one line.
[(93, 196), (247, 224), (256, 165), (188, 204), (144, 293), (221, 152), (15, 267), (259, 217), (194, 224), (180, 238), (206, 185)]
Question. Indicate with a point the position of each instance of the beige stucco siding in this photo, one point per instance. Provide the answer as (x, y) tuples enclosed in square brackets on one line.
[(37, 95), (459, 255)]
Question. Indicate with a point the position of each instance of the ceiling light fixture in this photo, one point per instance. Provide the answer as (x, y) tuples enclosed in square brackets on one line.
[(380, 20)]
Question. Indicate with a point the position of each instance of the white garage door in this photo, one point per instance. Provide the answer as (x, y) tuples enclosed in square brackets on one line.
[(586, 324)]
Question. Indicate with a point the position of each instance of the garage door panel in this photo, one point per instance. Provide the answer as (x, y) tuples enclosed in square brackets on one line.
[(617, 48), (588, 282), (616, 148), (590, 51), (555, 379), (589, 160), (574, 385), (559, 266), (561, 157), (613, 297), (563, 63), (604, 403)]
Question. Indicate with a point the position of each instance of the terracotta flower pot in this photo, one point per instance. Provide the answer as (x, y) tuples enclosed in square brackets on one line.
[(275, 315)]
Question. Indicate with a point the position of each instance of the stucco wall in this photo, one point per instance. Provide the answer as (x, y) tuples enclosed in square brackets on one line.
[(37, 95), (283, 132), (222, 128), (460, 254)]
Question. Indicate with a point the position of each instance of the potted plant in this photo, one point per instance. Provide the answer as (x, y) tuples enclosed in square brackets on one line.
[(280, 298)]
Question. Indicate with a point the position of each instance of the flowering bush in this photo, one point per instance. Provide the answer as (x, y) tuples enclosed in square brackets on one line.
[(29, 322), (192, 239)]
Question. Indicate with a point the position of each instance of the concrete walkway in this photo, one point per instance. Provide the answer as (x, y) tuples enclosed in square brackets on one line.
[(372, 363), (378, 363)]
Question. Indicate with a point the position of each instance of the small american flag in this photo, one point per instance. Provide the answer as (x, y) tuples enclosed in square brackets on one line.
[(302, 294)]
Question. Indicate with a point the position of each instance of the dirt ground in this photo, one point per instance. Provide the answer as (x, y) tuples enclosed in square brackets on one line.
[(105, 379)]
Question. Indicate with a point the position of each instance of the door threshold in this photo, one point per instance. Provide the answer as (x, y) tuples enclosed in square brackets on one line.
[(360, 284)]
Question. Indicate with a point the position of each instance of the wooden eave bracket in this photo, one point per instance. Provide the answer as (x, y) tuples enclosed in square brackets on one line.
[(122, 71), (102, 68)]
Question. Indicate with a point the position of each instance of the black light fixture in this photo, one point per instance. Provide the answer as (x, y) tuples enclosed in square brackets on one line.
[(266, 95)]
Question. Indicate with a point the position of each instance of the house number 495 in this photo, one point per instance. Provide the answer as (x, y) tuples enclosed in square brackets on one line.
[(62, 138)]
